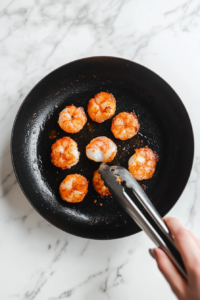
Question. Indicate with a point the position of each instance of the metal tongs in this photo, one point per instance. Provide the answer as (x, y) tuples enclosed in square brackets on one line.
[(146, 218)]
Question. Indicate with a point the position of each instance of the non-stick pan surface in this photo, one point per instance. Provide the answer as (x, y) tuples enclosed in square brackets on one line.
[(164, 127)]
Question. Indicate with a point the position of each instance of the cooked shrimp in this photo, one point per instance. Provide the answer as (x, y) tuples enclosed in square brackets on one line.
[(72, 119), (142, 164), (73, 188), (101, 149), (65, 153), (125, 125), (98, 184), (101, 107)]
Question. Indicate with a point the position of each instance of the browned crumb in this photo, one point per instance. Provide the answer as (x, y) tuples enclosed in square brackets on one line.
[(52, 134), (143, 186), (118, 178)]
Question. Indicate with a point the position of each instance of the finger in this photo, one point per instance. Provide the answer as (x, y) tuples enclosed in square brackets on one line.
[(170, 272), (197, 241), (185, 244)]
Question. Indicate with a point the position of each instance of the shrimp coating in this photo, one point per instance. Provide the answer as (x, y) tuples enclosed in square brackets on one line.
[(73, 188), (65, 153), (142, 164), (99, 186), (72, 119), (102, 107), (101, 149), (125, 125)]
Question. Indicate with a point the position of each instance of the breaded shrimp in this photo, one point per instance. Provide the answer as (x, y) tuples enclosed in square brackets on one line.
[(125, 125), (65, 153), (72, 119), (101, 149), (73, 188), (98, 184), (101, 107), (142, 164)]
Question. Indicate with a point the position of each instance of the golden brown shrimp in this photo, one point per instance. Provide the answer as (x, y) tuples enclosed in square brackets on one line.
[(65, 153), (72, 119), (101, 107), (142, 164), (73, 188), (125, 125), (101, 149), (98, 184)]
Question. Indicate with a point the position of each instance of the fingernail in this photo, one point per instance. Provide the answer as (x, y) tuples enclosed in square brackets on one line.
[(151, 253)]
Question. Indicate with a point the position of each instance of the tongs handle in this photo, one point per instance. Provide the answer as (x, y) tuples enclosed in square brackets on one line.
[(159, 227), (161, 240)]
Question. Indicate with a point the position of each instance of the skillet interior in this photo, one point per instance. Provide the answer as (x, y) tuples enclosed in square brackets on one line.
[(164, 127)]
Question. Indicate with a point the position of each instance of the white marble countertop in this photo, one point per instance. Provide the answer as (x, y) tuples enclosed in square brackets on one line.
[(37, 260)]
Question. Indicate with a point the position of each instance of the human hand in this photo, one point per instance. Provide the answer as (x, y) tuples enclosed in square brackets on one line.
[(189, 247)]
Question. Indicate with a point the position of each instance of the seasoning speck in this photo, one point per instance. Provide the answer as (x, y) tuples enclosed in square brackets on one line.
[(100, 204), (56, 106), (90, 127), (118, 178), (95, 201), (52, 134), (143, 186)]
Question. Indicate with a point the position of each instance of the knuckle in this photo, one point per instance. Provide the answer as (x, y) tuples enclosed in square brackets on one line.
[(169, 221), (195, 270), (181, 233)]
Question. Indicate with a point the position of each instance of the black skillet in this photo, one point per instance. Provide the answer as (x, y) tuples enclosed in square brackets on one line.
[(164, 127)]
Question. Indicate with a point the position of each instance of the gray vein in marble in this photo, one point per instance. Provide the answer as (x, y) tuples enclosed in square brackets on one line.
[(144, 40), (104, 286), (57, 257), (22, 218), (119, 278), (8, 179), (182, 6), (69, 292), (85, 248), (32, 293), (8, 189), (192, 211)]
